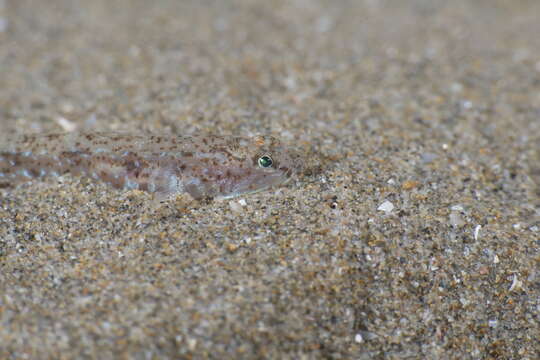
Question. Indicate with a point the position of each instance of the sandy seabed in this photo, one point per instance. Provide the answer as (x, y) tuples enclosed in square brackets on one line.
[(414, 232)]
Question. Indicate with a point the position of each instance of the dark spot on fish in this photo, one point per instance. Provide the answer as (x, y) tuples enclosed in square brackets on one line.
[(228, 153), (132, 168)]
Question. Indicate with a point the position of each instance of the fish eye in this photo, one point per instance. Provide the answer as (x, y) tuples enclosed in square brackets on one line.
[(265, 161)]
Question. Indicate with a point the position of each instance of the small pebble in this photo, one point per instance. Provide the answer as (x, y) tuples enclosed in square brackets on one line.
[(65, 124), (429, 157), (477, 231), (409, 185), (455, 219), (236, 206), (516, 284), (386, 206)]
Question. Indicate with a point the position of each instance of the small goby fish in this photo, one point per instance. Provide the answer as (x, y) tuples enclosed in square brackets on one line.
[(203, 166)]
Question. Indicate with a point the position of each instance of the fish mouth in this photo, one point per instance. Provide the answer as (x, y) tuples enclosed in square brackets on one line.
[(256, 183)]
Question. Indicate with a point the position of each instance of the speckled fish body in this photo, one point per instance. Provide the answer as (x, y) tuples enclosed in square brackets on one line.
[(202, 166)]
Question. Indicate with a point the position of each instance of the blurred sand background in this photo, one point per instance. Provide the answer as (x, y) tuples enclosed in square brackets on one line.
[(414, 233)]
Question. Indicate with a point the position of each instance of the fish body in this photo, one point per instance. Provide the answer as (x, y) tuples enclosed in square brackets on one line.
[(204, 166)]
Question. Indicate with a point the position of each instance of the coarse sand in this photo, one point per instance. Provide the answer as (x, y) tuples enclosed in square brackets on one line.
[(413, 233)]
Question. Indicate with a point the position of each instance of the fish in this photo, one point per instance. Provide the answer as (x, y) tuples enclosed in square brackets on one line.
[(203, 166)]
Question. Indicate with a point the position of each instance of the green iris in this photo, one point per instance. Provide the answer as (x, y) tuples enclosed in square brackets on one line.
[(265, 161)]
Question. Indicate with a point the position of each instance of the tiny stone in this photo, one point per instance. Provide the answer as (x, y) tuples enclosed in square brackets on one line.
[(232, 247), (236, 206), (192, 344), (428, 157), (358, 338), (455, 219), (456, 87), (386, 206), (409, 185), (67, 125), (516, 284), (477, 231)]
